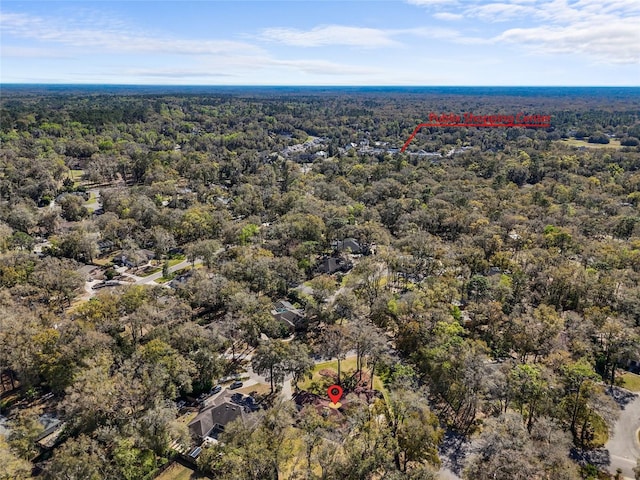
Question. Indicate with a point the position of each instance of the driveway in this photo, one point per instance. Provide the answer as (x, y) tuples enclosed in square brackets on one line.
[(623, 446)]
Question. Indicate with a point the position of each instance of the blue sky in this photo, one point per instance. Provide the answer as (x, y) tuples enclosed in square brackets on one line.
[(303, 42)]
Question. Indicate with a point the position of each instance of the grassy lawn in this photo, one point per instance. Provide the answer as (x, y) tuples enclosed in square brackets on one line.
[(151, 271), (178, 471), (630, 381), (260, 389), (601, 432), (76, 175), (103, 261), (347, 366), (176, 261), (92, 198), (574, 142), (187, 417), (187, 268)]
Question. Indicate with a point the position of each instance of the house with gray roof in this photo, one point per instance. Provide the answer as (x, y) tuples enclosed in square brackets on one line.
[(284, 312), (211, 421)]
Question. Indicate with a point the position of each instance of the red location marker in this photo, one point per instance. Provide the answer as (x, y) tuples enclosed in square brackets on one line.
[(335, 393)]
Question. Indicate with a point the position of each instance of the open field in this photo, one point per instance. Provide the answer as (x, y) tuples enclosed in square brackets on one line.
[(574, 142)]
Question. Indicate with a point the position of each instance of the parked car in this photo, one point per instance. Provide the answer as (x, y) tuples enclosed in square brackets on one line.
[(235, 385), (216, 389)]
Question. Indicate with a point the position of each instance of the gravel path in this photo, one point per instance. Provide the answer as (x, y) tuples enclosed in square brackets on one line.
[(623, 445)]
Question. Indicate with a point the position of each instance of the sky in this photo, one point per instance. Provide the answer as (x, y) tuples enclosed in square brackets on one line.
[(304, 42)]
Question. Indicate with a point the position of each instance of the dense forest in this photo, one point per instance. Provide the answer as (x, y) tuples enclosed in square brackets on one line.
[(477, 297)]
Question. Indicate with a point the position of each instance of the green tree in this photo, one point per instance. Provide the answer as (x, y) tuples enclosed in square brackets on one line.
[(206, 250), (73, 208), (505, 450), (13, 467), (78, 459), (24, 431), (616, 342), (584, 404), (314, 428), (59, 278), (253, 452), (22, 241), (335, 343), (132, 462), (299, 364), (413, 428), (528, 389), (271, 358)]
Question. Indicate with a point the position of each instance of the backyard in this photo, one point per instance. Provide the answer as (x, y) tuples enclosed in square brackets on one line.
[(318, 382), (177, 471)]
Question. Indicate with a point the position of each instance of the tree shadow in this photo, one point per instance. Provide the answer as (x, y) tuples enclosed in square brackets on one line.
[(453, 451), (598, 457), (621, 396)]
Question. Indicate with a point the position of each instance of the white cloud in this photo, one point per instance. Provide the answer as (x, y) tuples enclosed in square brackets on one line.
[(617, 42), (203, 59), (113, 38), (449, 34), (448, 16), (363, 37), (330, 35), (496, 12), (606, 30)]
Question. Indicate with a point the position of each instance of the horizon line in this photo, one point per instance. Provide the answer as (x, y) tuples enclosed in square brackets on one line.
[(247, 85)]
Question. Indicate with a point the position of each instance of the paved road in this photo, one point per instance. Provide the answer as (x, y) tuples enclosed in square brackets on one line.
[(158, 275), (135, 280), (623, 445)]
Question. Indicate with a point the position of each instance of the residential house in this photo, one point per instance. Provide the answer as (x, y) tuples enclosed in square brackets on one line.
[(304, 399), (137, 258), (349, 245), (105, 246), (284, 312), (53, 428), (332, 264), (211, 421)]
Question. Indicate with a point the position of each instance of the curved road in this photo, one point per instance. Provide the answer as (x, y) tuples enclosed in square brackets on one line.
[(623, 446)]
